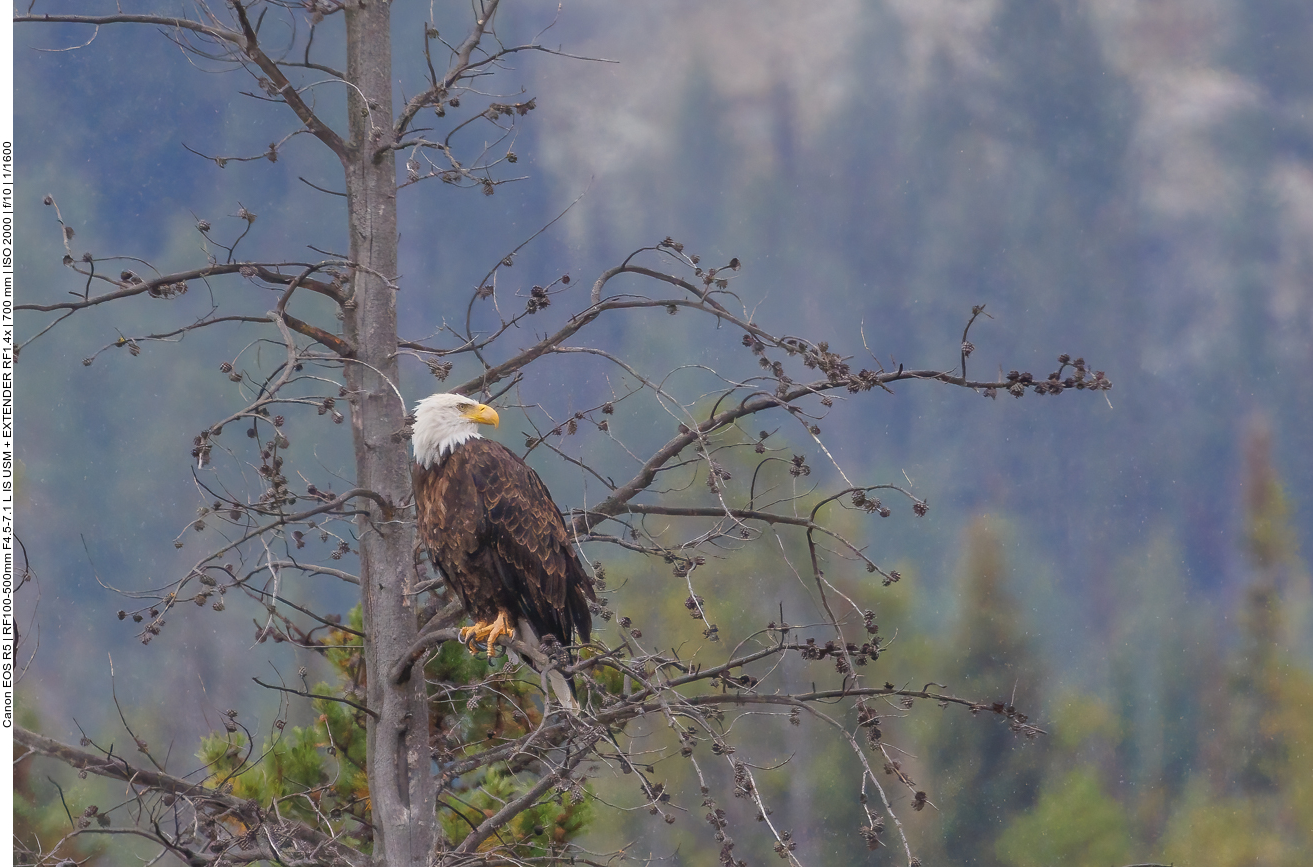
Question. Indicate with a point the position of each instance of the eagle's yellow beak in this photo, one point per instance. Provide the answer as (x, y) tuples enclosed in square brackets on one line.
[(482, 414)]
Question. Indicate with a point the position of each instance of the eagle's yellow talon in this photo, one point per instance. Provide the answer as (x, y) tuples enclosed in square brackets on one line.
[(470, 634), (486, 633)]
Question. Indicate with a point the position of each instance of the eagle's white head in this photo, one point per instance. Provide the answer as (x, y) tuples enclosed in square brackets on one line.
[(444, 421)]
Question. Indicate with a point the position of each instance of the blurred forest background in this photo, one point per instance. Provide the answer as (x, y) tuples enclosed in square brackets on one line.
[(1130, 181)]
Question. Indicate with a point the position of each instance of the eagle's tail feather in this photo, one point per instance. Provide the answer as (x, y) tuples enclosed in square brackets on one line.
[(554, 683)]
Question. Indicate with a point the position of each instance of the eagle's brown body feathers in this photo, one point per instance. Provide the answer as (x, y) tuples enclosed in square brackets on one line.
[(491, 527)]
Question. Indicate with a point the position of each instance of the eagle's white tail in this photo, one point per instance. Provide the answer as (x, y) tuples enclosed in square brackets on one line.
[(559, 686)]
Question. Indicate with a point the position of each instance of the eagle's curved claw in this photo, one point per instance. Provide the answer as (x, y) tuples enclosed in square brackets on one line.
[(487, 634)]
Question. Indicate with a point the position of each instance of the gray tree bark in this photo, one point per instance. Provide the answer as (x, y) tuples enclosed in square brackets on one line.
[(401, 784)]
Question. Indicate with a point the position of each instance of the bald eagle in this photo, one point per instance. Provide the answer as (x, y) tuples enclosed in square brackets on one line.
[(491, 527)]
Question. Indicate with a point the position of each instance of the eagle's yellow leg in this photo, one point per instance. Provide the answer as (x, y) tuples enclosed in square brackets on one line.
[(487, 633), (501, 626)]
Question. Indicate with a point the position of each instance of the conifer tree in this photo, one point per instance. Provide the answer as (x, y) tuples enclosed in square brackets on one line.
[(1258, 749), (985, 775)]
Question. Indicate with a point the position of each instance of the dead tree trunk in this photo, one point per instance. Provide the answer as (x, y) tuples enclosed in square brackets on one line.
[(401, 784)]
